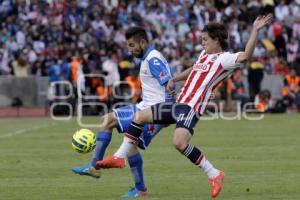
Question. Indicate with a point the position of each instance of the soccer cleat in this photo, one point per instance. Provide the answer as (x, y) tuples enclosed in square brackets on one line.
[(88, 171), (133, 193), (111, 162), (216, 184)]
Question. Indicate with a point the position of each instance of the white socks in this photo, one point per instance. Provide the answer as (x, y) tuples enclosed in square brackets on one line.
[(124, 148), (208, 168)]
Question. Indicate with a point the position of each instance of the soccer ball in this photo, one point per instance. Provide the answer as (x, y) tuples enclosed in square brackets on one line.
[(84, 141)]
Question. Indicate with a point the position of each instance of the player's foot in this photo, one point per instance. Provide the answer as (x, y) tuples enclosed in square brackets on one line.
[(111, 162), (133, 193), (88, 171), (216, 184)]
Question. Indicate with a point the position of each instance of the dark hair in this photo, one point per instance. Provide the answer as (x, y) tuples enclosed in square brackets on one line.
[(217, 31), (136, 33)]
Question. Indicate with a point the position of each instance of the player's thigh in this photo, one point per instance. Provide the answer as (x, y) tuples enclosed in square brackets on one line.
[(143, 116), (124, 116), (162, 113), (108, 121)]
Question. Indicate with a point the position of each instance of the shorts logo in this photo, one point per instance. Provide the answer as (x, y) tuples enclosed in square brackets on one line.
[(181, 117)]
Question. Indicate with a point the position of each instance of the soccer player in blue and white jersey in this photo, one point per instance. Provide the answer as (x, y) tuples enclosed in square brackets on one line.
[(154, 74)]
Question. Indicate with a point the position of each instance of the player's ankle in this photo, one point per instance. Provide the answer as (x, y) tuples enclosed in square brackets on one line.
[(213, 172)]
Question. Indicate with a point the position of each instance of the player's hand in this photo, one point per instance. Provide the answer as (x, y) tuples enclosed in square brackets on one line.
[(262, 21), (171, 87)]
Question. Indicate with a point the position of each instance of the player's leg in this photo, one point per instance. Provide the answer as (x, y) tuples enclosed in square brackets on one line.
[(107, 123), (130, 140), (181, 140), (124, 117), (131, 137), (136, 167), (136, 163), (186, 120), (120, 118), (159, 114)]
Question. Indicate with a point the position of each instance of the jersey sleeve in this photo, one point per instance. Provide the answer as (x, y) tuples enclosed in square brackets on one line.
[(159, 70), (229, 60)]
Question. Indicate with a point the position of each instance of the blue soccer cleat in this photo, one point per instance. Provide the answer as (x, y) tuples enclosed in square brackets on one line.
[(133, 193), (88, 171)]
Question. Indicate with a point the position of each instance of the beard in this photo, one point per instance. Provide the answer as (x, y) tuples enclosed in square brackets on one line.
[(139, 55)]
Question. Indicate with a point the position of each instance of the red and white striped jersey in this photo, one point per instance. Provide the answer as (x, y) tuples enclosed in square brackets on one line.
[(207, 73)]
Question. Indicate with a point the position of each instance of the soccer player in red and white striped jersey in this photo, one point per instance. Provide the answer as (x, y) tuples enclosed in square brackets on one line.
[(206, 73), (214, 64)]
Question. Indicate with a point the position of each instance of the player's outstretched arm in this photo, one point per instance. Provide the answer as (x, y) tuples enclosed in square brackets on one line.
[(258, 24), (180, 77)]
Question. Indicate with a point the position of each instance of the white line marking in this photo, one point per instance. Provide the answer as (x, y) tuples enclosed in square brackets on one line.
[(21, 131)]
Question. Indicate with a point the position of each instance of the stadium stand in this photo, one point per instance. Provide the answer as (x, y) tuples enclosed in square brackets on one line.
[(60, 39)]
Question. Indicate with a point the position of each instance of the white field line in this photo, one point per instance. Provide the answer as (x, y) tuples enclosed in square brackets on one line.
[(22, 131)]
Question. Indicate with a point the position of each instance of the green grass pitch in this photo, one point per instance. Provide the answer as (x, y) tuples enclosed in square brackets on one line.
[(260, 158)]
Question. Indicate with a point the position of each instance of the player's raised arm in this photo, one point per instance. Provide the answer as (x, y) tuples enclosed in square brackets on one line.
[(259, 23)]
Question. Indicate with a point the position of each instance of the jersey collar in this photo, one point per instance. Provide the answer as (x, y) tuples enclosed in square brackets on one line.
[(150, 48)]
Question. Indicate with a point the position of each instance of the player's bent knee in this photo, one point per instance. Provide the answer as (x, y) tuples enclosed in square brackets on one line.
[(181, 138), (178, 144)]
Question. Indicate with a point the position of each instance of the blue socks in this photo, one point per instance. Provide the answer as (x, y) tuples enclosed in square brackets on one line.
[(135, 162), (103, 140), (136, 167)]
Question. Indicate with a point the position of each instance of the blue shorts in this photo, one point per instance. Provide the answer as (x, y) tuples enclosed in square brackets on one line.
[(125, 116)]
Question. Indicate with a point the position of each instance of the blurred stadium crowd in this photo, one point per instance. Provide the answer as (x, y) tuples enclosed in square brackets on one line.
[(61, 39)]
